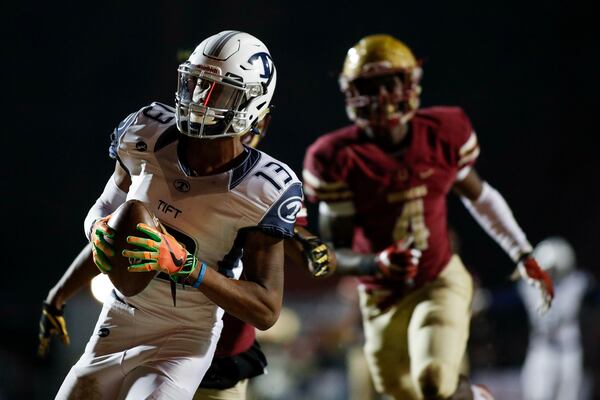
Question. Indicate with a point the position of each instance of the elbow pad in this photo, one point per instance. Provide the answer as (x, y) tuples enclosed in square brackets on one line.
[(494, 215), (110, 199)]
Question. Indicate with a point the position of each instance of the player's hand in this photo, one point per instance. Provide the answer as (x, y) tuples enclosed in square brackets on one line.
[(534, 275), (101, 248), (319, 257), (52, 323), (162, 253), (398, 262)]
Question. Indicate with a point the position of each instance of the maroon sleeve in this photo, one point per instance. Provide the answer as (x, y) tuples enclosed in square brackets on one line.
[(465, 141), (302, 217), (324, 172), (455, 129)]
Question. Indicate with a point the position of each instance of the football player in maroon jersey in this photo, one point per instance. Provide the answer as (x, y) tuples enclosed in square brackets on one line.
[(382, 185), (238, 356)]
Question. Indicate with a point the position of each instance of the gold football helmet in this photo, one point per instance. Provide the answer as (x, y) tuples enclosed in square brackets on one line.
[(380, 75)]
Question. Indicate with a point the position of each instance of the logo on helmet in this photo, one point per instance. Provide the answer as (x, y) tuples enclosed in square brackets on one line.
[(267, 63)]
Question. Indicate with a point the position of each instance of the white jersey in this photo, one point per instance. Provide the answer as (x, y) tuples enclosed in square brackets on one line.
[(165, 350), (560, 325), (207, 213), (553, 367)]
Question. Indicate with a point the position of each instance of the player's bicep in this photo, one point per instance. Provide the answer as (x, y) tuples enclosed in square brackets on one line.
[(263, 261)]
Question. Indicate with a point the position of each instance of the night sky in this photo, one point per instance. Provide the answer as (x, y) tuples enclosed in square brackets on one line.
[(523, 71)]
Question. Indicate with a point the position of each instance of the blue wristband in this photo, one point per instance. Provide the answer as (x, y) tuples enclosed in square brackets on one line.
[(200, 276)]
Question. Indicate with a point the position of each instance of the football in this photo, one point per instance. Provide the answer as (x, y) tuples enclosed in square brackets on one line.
[(123, 222)]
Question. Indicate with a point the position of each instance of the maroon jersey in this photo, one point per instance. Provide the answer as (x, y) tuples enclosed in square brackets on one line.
[(400, 195), (238, 336)]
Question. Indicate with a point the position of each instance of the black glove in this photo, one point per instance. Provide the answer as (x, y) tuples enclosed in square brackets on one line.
[(317, 254), (52, 323)]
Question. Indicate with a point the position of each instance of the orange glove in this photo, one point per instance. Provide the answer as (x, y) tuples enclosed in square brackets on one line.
[(101, 247), (163, 253)]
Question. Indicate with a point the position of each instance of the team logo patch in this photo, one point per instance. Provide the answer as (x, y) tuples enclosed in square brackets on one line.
[(103, 332), (141, 146), (288, 210), (182, 185)]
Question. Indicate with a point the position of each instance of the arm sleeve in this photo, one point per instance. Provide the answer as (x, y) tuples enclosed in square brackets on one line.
[(110, 199), (494, 215)]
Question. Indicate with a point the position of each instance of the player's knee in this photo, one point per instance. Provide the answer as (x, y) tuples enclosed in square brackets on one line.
[(436, 380)]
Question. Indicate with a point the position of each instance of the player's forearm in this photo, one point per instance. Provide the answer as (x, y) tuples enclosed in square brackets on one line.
[(248, 301), (79, 274), (294, 254), (307, 251), (352, 263), (494, 215), (113, 195)]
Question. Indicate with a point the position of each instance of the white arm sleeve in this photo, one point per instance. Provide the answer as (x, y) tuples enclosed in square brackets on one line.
[(110, 199), (492, 212)]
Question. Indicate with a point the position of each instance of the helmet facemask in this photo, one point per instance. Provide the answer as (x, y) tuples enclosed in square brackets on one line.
[(211, 105), (380, 79), (384, 95)]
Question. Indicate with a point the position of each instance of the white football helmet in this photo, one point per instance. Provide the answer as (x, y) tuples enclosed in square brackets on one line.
[(555, 255), (225, 87)]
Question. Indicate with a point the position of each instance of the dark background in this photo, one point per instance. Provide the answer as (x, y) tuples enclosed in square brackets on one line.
[(523, 71)]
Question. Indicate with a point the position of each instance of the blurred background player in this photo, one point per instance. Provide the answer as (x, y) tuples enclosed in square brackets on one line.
[(238, 356), (553, 367), (229, 200), (382, 184)]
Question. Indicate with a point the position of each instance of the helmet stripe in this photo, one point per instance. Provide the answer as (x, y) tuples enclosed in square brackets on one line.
[(216, 48)]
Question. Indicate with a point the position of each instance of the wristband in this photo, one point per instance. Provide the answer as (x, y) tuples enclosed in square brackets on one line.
[(200, 276)]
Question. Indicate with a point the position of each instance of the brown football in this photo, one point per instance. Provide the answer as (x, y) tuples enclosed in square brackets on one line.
[(123, 221)]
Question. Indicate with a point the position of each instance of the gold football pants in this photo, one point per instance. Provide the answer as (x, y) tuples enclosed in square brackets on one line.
[(237, 392), (416, 345)]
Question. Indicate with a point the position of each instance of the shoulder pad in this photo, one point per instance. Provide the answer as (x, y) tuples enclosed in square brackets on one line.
[(274, 187), (143, 132), (454, 126), (325, 165)]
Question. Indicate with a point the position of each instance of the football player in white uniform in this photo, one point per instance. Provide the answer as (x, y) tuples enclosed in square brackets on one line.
[(304, 250), (553, 367), (214, 195)]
